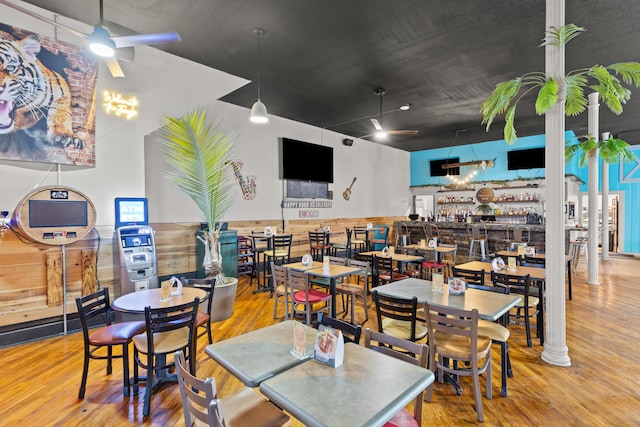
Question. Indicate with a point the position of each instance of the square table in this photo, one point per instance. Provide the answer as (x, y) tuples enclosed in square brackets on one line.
[(255, 356), (439, 250), (490, 305), (366, 390)]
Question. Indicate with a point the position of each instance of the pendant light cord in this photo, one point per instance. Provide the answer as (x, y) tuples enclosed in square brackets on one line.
[(258, 32)]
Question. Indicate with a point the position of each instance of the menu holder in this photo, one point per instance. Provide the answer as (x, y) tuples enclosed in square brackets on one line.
[(433, 243), (165, 290), (422, 243), (530, 251), (457, 286), (437, 280), (176, 286), (299, 349), (521, 250), (307, 260), (511, 266), (329, 346), (497, 264), (385, 251)]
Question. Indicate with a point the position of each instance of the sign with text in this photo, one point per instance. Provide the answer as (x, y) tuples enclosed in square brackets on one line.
[(306, 205)]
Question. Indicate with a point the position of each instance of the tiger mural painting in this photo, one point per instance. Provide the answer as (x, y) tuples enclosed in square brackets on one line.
[(29, 92)]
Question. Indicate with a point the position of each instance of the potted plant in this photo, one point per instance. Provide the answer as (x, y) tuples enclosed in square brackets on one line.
[(571, 87), (198, 151), (610, 149)]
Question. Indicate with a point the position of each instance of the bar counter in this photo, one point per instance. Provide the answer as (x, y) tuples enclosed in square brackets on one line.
[(456, 232)]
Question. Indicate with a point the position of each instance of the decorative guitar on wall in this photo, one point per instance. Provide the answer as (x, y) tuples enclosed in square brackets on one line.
[(347, 193)]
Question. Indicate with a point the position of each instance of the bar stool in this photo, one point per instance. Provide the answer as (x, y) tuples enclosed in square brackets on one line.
[(478, 234), (575, 247), (403, 237)]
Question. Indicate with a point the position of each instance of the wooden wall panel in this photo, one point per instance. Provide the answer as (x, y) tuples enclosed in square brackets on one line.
[(23, 272)]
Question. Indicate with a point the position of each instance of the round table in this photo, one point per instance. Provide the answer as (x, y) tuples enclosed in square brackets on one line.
[(135, 302)]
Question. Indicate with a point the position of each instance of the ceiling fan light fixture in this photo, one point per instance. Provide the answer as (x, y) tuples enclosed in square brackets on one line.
[(259, 113), (259, 110), (405, 107), (381, 134), (101, 44)]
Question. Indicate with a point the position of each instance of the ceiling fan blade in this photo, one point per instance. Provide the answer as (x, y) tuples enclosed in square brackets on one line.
[(402, 132), (114, 67), (153, 38), (44, 19), (376, 124)]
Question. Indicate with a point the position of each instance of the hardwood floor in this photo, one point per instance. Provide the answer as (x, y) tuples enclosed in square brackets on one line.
[(40, 380)]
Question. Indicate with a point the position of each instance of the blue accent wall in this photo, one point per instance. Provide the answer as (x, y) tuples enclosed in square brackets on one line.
[(623, 177)]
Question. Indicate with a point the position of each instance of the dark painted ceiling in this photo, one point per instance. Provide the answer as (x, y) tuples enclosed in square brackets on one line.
[(321, 60)]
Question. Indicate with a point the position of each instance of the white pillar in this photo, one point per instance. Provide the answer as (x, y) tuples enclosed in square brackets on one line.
[(592, 244), (605, 203), (555, 343)]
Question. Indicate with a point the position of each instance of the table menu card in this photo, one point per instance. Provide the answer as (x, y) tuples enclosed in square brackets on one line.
[(165, 290), (329, 346), (521, 250), (433, 243), (512, 264), (299, 340), (457, 286), (437, 282), (530, 251)]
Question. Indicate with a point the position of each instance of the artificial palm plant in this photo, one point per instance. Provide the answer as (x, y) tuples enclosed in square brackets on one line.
[(571, 88), (198, 150), (610, 149)]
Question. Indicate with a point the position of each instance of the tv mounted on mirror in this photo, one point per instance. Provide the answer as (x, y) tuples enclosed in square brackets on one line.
[(532, 158), (58, 213), (304, 161), (131, 211)]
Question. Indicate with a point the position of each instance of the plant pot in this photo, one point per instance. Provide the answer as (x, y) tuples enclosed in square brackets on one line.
[(224, 296)]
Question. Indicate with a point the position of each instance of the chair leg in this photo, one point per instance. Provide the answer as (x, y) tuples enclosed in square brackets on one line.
[(148, 386), (504, 356), (109, 360), (85, 372), (125, 367), (527, 326), (136, 378), (209, 332), (477, 393)]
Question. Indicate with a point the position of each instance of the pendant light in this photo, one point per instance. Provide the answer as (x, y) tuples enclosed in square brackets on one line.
[(259, 111)]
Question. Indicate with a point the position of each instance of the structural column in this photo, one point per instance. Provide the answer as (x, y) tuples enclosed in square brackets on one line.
[(592, 232), (555, 349), (605, 203)]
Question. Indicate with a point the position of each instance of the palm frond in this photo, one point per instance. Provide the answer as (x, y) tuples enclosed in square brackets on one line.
[(547, 96), (575, 102), (561, 36), (509, 126), (629, 71), (499, 100), (612, 149), (198, 150)]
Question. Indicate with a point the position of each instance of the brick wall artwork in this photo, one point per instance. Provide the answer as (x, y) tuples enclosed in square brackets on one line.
[(47, 106)]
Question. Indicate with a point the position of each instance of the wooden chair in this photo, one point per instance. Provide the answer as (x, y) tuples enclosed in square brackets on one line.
[(201, 405), (498, 332), (97, 306), (454, 339), (383, 238), (325, 281), (398, 317), (246, 259), (350, 332), (318, 244), (352, 290), (414, 269), (408, 351), (203, 318), (281, 292), (384, 271), (529, 306), (312, 300), (359, 240), (518, 234), (344, 247), (169, 329), (280, 253)]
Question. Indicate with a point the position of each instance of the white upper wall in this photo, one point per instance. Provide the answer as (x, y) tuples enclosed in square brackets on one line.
[(167, 85)]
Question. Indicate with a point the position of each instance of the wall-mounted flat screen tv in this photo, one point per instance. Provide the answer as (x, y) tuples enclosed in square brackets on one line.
[(438, 170), (304, 161), (532, 158), (58, 213), (131, 211)]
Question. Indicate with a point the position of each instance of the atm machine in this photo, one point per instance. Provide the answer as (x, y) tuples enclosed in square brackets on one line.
[(136, 261)]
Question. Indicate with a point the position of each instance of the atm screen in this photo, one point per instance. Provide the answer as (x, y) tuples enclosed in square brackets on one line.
[(136, 240)]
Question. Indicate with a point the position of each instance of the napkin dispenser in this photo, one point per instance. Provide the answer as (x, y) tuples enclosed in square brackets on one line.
[(307, 260), (176, 286)]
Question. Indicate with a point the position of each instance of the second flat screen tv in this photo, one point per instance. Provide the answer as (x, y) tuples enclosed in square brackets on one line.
[(531, 158), (304, 161)]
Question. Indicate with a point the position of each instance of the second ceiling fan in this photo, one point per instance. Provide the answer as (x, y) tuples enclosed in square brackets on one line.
[(377, 123)]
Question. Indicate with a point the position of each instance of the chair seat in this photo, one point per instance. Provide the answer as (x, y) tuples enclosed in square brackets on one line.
[(533, 302), (202, 318), (402, 419), (392, 277), (493, 330), (349, 288), (116, 333), (457, 347), (358, 242), (432, 264), (402, 328), (248, 408), (314, 296), (164, 342), (276, 253)]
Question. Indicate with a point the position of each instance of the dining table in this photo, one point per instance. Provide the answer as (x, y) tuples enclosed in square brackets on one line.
[(368, 389), (400, 259), (332, 272), (258, 355), (439, 250)]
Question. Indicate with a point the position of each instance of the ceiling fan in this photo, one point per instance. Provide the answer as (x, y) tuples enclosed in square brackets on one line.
[(102, 44), (380, 131)]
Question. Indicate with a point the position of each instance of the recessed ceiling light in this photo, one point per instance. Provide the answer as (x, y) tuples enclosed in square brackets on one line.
[(405, 107)]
